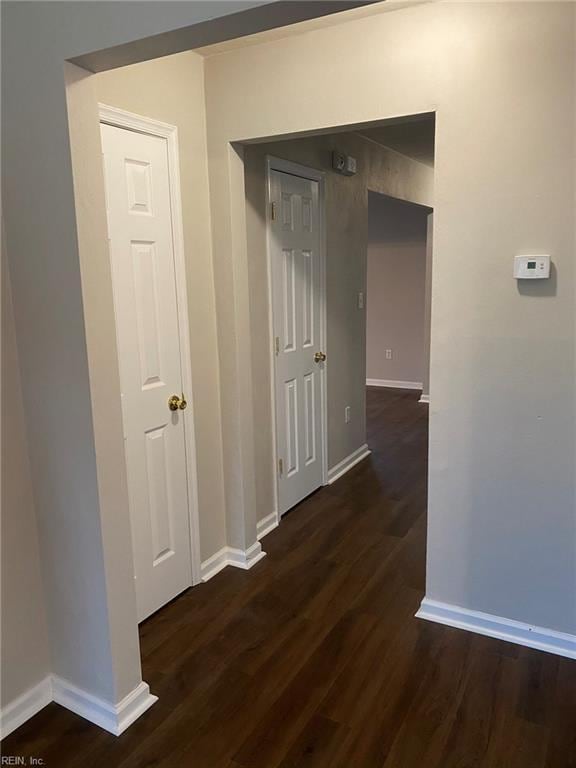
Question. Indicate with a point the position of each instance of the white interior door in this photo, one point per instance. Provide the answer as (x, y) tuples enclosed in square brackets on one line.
[(297, 304), (145, 300)]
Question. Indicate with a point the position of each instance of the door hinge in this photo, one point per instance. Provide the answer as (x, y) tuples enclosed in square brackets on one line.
[(280, 467), (277, 345), (273, 211)]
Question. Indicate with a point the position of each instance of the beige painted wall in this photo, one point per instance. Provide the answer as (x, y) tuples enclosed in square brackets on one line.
[(171, 89), (396, 293), (502, 519), (346, 207), (24, 637)]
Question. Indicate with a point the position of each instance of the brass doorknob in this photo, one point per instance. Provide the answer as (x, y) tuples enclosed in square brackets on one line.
[(319, 357), (176, 403)]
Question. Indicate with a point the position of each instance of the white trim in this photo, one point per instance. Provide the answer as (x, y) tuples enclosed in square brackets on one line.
[(424, 398), (350, 461), (214, 564), (121, 118), (114, 718), (239, 558), (130, 121), (394, 384), (245, 559), (266, 525), (25, 706), (540, 638), (287, 166)]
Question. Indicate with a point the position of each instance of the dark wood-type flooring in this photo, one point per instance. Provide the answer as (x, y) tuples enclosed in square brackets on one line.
[(314, 657)]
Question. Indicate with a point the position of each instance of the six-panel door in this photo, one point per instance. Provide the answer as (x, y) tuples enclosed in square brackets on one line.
[(142, 255), (295, 250)]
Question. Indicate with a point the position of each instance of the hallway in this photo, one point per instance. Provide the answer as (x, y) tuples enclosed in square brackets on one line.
[(314, 657)]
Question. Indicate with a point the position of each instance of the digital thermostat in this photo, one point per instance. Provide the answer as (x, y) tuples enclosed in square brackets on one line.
[(531, 267)]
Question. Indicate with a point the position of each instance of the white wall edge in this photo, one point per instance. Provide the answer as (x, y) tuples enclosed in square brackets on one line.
[(114, 718), (266, 525), (25, 706), (394, 384), (424, 399), (346, 464), (239, 558), (539, 638)]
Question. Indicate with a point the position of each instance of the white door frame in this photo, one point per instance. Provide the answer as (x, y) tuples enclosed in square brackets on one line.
[(120, 118), (286, 166)]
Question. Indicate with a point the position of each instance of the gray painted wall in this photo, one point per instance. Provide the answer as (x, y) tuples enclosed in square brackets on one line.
[(396, 293), (24, 635)]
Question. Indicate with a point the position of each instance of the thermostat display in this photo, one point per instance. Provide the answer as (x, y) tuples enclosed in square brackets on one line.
[(531, 267)]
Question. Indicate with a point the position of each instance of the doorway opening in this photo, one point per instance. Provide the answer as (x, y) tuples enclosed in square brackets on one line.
[(294, 428), (399, 267)]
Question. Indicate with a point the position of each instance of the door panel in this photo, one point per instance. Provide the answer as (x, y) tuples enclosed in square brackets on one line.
[(145, 301), (309, 419), (296, 285), (289, 300), (291, 406)]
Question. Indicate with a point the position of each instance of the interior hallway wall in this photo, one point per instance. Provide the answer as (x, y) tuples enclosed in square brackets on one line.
[(346, 207), (502, 520), (396, 294), (24, 635), (171, 90)]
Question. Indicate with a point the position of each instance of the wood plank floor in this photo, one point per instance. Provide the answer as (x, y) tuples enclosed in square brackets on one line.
[(314, 658)]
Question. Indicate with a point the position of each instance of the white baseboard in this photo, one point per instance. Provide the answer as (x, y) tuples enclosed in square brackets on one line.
[(239, 558), (28, 704), (424, 398), (350, 461), (214, 564), (393, 384), (540, 638), (114, 718), (267, 524)]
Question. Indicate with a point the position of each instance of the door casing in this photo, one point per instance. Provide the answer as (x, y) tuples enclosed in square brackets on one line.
[(287, 166), (128, 120)]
